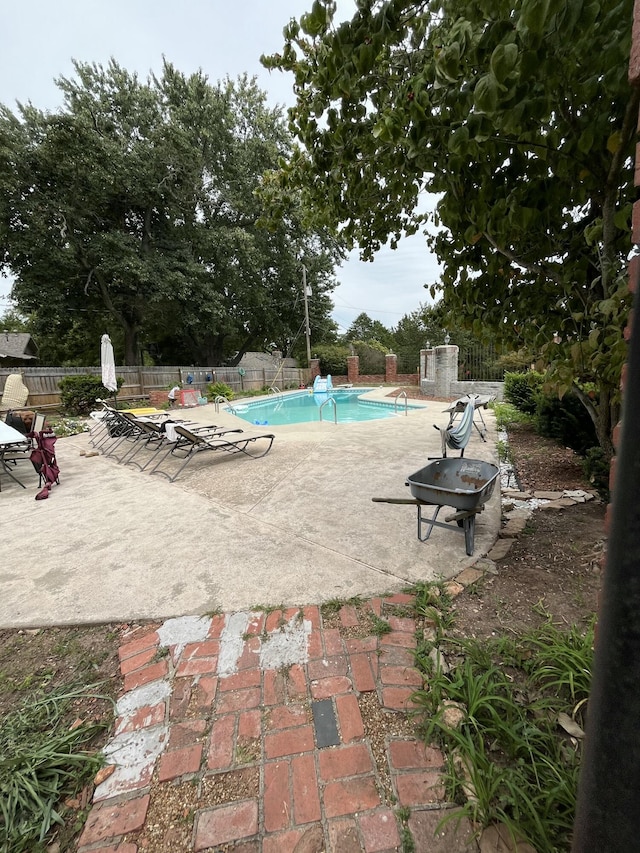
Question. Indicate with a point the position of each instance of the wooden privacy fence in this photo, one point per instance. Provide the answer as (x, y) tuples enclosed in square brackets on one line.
[(139, 382)]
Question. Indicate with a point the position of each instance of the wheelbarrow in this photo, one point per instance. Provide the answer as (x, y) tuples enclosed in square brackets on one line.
[(462, 484)]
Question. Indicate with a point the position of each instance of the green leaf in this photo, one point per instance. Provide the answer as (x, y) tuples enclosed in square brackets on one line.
[(459, 140), (448, 62), (381, 131), (503, 61), (607, 307), (314, 23), (533, 16), (622, 218), (485, 96), (586, 140), (593, 232), (364, 58), (462, 32), (614, 142)]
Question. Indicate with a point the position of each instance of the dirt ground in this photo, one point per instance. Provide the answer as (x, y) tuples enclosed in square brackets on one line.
[(552, 571)]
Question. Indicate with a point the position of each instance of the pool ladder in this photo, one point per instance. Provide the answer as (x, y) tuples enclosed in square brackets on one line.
[(222, 399), (335, 409), (406, 403)]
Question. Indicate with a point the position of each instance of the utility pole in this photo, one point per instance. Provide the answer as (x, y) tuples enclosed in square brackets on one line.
[(306, 314)]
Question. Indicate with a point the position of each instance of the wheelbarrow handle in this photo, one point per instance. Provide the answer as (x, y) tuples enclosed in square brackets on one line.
[(411, 501)]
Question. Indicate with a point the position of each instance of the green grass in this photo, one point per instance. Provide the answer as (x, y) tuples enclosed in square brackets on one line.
[(508, 759), (379, 627), (408, 844), (43, 761), (334, 605), (507, 414), (504, 451)]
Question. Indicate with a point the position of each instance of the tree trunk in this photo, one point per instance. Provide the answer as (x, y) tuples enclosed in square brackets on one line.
[(131, 346), (604, 416), (211, 351)]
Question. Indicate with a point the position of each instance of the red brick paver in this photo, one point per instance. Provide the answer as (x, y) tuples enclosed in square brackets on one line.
[(226, 823), (112, 820), (245, 744)]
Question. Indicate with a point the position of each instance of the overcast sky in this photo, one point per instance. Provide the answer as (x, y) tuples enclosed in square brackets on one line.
[(41, 37)]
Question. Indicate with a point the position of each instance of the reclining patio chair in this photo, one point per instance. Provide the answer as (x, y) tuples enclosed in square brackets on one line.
[(104, 426), (115, 428), (190, 442), (125, 430), (456, 435), (155, 434)]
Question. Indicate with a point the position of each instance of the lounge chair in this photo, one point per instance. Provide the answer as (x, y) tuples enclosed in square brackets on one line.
[(456, 435), (190, 442), (157, 434)]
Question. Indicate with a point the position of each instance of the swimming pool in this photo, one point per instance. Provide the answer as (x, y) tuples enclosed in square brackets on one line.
[(304, 408)]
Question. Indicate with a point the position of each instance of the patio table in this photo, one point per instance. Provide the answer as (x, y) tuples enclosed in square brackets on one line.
[(10, 441)]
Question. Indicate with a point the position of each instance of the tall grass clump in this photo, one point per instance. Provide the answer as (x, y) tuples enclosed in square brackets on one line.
[(515, 743), (44, 759)]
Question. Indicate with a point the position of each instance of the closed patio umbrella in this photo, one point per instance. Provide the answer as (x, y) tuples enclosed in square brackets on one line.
[(108, 362)]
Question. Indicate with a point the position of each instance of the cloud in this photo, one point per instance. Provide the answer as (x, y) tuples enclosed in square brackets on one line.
[(41, 38)]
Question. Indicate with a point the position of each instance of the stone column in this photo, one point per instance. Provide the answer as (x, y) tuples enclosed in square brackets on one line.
[(446, 369)]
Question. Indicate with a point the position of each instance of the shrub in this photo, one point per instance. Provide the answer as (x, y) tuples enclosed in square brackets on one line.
[(516, 361), (506, 414), (566, 421), (372, 357), (520, 389), (219, 389), (596, 465), (333, 359), (78, 394)]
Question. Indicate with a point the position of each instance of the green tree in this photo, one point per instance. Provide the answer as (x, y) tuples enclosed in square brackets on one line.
[(133, 210), (364, 328), (519, 116), (13, 321), (409, 337)]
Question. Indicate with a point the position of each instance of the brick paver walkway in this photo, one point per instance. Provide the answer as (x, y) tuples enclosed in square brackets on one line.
[(255, 732)]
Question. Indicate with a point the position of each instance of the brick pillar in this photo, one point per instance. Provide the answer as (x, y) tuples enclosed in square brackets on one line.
[(391, 368), (353, 368), (314, 364)]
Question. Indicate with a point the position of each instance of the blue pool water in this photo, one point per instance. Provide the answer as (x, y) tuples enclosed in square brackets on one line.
[(305, 408)]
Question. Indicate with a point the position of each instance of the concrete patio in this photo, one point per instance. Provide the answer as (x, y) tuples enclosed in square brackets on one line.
[(297, 526)]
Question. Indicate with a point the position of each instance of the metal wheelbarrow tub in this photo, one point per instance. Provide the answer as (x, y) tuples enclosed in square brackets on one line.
[(460, 483), (463, 484)]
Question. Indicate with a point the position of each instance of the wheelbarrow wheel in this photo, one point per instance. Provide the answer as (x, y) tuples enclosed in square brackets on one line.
[(469, 525)]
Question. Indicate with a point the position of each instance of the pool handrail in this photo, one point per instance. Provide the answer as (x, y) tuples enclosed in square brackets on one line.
[(335, 409), (222, 399), (406, 402)]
